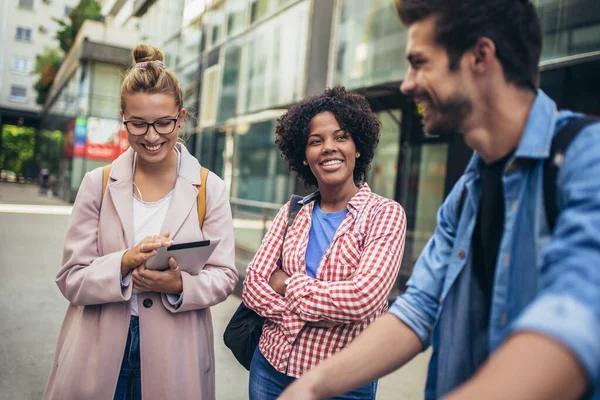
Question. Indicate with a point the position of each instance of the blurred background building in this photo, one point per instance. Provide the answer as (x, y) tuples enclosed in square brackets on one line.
[(84, 101), (243, 62), (27, 30)]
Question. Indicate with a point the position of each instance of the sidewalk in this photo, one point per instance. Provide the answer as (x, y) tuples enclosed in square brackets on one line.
[(232, 379), (26, 193)]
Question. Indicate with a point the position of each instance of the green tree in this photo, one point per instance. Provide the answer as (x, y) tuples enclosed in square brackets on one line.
[(46, 66), (86, 9), (17, 147)]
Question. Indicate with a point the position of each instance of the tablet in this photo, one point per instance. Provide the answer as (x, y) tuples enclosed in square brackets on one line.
[(190, 256)]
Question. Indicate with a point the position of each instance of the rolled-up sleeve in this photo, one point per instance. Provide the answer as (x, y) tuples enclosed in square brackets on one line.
[(418, 312), (568, 306), (570, 322)]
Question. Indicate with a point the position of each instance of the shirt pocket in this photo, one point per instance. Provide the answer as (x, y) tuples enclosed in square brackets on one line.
[(345, 256)]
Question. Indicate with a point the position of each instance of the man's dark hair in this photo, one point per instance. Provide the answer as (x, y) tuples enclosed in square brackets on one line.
[(352, 112), (513, 25)]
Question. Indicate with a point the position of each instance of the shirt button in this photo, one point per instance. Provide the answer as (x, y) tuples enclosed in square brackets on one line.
[(514, 206), (440, 300), (147, 303), (460, 254), (507, 259), (503, 318)]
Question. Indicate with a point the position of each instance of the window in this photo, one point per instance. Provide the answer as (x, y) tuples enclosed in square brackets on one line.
[(68, 11), (258, 9), (208, 111), (369, 45), (26, 4), (260, 173), (18, 93), (273, 70), (21, 64), (235, 12), (23, 34), (384, 167)]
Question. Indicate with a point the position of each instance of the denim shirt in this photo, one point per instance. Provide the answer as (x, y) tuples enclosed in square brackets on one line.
[(544, 282)]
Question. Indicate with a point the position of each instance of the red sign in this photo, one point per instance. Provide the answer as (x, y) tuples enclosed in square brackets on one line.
[(107, 139)]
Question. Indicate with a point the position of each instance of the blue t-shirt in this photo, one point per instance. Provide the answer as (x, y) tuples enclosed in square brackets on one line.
[(323, 228)]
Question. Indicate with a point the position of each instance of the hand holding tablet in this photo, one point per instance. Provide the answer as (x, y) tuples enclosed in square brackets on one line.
[(191, 257)]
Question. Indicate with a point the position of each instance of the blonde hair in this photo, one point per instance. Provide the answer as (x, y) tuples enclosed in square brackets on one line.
[(149, 75)]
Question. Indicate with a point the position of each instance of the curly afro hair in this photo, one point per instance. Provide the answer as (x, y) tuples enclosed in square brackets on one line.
[(352, 112)]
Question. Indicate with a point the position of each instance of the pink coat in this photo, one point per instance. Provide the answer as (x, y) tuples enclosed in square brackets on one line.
[(177, 355)]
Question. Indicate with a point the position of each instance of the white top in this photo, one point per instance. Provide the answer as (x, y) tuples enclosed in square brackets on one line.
[(148, 219)]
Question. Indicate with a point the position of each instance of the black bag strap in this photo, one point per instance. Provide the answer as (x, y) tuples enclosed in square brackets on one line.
[(560, 144), (295, 207)]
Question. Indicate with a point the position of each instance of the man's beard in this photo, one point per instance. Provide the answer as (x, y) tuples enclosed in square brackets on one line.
[(447, 117)]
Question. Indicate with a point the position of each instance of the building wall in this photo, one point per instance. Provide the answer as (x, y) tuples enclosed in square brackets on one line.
[(14, 15), (245, 61)]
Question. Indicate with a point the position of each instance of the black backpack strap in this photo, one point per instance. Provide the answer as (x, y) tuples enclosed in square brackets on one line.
[(295, 207), (560, 144)]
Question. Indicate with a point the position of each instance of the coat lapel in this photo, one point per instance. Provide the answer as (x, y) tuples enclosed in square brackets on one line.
[(120, 192), (122, 198)]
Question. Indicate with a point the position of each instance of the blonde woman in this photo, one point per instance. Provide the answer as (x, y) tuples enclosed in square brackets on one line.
[(129, 332)]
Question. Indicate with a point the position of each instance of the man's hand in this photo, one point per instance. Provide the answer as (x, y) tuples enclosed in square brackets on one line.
[(383, 347), (168, 281), (277, 281)]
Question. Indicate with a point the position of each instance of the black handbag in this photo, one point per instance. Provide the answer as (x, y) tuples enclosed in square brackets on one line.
[(245, 327)]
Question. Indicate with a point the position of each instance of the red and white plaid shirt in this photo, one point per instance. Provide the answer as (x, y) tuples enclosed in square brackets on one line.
[(369, 243)]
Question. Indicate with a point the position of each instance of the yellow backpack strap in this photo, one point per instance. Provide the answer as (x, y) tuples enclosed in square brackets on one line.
[(202, 196), (105, 176)]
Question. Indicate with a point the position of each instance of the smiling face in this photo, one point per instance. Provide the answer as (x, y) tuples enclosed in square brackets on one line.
[(330, 152), (152, 147), (442, 93)]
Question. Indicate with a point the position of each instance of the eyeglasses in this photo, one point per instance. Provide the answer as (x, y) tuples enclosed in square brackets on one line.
[(139, 127)]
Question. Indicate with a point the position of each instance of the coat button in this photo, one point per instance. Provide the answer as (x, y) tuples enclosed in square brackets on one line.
[(147, 303), (461, 254)]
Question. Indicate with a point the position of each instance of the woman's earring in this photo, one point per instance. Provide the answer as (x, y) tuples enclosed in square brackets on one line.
[(357, 155), (304, 162), (179, 126)]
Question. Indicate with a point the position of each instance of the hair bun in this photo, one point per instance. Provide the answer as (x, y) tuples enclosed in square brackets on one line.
[(145, 53)]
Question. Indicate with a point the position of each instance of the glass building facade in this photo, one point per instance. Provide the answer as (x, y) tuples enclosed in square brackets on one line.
[(367, 55), (243, 62)]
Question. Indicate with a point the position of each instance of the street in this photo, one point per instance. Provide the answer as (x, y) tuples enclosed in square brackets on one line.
[(32, 307)]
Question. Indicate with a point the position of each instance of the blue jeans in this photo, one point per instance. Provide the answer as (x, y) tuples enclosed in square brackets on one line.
[(266, 383), (129, 385)]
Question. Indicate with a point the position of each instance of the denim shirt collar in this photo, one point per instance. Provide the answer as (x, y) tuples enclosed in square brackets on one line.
[(537, 136)]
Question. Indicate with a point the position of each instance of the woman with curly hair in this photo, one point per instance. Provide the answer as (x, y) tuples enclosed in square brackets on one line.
[(340, 256)]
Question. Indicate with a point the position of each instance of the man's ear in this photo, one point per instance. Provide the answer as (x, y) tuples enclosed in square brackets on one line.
[(483, 52)]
